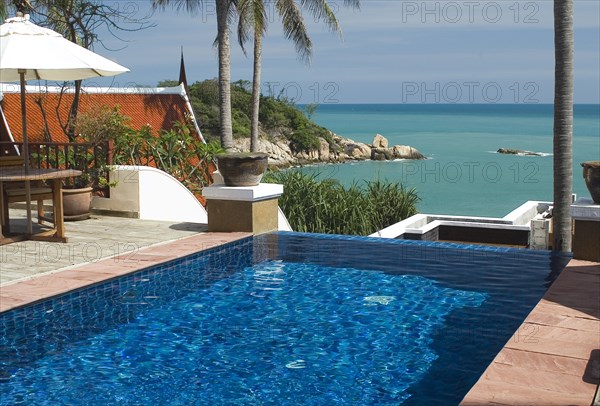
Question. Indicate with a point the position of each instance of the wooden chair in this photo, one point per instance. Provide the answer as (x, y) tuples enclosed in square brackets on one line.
[(15, 191)]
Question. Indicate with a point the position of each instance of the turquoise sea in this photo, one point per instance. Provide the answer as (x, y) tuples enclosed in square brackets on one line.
[(463, 174)]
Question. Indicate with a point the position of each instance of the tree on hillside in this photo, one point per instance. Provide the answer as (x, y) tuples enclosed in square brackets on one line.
[(253, 22), (563, 124), (225, 9)]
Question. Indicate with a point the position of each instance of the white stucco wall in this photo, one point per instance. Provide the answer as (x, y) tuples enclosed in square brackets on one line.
[(151, 194)]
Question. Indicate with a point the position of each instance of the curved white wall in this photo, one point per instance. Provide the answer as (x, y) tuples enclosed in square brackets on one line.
[(151, 194), (162, 197)]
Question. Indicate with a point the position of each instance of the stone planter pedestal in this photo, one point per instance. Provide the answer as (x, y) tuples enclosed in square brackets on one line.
[(251, 209), (586, 229)]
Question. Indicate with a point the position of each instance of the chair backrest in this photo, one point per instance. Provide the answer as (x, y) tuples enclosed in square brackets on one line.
[(11, 160), (8, 161)]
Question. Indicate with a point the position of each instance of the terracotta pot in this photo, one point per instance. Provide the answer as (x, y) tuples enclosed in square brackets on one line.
[(591, 174), (77, 203), (242, 168)]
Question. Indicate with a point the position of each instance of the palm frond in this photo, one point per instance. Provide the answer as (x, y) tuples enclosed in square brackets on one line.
[(191, 6), (294, 28), (321, 10), (252, 20)]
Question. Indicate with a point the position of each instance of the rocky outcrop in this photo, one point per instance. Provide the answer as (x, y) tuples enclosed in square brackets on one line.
[(280, 153), (339, 150), (510, 151), (379, 141), (406, 152)]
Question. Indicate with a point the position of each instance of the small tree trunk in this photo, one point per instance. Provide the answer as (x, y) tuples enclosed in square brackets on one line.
[(256, 91), (73, 112), (563, 124), (223, 7)]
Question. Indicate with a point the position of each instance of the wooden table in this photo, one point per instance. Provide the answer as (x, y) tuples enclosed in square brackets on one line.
[(17, 174)]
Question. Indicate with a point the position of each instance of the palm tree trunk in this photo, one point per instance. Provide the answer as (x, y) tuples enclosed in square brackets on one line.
[(224, 73), (563, 124), (256, 91)]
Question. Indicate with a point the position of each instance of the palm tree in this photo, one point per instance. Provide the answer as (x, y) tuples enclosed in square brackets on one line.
[(253, 17), (563, 124), (224, 9)]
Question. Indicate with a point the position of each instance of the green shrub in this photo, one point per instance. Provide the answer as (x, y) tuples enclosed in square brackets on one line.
[(326, 206), (177, 151)]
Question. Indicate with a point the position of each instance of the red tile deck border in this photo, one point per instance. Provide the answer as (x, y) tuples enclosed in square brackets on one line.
[(56, 283), (557, 361)]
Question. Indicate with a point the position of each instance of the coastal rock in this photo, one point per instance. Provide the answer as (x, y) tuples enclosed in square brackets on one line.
[(280, 153), (350, 149), (379, 141), (381, 154), (510, 151), (339, 150), (406, 152), (323, 150), (357, 151), (380, 150)]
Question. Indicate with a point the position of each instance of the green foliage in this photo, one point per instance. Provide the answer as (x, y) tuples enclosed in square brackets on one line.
[(277, 115), (168, 83), (310, 109), (326, 206), (86, 157), (101, 124), (95, 128), (177, 152)]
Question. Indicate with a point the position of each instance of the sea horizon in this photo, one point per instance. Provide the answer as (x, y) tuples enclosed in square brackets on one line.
[(463, 173)]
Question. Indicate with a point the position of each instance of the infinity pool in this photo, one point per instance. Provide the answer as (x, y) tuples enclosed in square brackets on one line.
[(282, 319)]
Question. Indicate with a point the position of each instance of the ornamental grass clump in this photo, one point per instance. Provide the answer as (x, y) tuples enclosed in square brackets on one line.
[(326, 206)]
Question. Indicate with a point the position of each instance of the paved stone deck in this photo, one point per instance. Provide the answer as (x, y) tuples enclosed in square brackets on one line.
[(554, 357), (88, 241)]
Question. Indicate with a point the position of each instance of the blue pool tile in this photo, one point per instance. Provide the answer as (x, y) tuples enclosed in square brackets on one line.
[(298, 317)]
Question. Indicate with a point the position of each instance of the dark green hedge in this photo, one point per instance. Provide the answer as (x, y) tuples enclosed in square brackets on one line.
[(326, 206)]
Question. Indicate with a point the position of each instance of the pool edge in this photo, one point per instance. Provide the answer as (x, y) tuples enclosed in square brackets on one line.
[(56, 283), (552, 357)]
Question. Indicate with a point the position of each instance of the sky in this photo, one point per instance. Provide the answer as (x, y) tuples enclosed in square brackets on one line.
[(393, 51)]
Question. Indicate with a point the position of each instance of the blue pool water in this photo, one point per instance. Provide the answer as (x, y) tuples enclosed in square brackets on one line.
[(284, 319)]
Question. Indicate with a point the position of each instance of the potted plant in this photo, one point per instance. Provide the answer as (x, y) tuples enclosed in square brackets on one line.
[(94, 129), (77, 193), (591, 174), (77, 198), (242, 168)]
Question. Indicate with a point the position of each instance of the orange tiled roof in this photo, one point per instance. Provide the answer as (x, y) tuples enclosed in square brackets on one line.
[(158, 109)]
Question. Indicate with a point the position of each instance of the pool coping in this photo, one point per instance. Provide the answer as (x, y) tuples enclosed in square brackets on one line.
[(47, 285)]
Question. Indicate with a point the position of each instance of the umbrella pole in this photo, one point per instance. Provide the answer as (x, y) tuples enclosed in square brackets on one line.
[(25, 151)]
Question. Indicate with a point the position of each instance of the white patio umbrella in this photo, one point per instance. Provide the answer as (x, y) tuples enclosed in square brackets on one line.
[(31, 52)]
